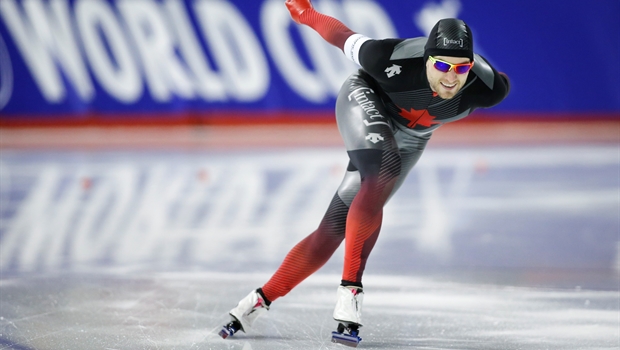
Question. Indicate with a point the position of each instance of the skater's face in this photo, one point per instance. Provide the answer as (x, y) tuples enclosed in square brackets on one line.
[(447, 75)]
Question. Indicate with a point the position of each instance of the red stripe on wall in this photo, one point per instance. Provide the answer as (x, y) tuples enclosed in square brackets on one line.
[(241, 130), (252, 118)]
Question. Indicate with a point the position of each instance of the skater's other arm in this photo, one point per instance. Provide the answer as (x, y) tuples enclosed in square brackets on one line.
[(339, 35), (486, 95)]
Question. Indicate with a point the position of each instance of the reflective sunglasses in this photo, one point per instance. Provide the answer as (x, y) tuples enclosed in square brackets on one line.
[(445, 67)]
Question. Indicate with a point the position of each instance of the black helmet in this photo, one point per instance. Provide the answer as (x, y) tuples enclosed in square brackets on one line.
[(450, 37)]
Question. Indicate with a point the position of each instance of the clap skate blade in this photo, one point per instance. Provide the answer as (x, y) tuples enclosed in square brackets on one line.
[(230, 329), (347, 335)]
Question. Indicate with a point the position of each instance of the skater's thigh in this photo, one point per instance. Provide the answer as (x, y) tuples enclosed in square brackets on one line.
[(362, 119), (410, 149)]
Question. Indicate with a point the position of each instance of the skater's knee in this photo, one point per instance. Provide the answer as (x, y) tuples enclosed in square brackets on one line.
[(375, 164), (349, 187)]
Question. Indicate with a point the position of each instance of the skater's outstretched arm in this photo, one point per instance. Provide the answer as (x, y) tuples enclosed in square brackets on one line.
[(331, 29)]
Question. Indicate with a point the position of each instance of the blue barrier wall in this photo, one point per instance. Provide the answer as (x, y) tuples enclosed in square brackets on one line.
[(108, 57)]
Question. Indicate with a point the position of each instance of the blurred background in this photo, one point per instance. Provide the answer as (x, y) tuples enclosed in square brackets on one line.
[(199, 134)]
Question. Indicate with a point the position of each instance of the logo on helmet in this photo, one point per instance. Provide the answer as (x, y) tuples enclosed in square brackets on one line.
[(447, 42)]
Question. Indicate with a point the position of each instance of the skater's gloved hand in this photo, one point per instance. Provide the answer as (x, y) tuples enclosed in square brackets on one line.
[(297, 7)]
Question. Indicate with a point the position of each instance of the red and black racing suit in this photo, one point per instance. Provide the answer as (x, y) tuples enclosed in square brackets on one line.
[(386, 113)]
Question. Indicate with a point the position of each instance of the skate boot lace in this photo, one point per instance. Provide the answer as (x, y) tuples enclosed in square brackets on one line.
[(355, 301), (259, 304)]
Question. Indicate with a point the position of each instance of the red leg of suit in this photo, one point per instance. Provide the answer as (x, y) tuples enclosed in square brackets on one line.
[(362, 222), (309, 254), (363, 226)]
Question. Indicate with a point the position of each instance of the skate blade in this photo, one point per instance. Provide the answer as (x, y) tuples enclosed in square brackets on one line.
[(230, 329), (224, 333), (346, 339)]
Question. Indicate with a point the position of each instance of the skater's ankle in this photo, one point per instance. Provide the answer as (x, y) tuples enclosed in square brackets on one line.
[(346, 283), (267, 301)]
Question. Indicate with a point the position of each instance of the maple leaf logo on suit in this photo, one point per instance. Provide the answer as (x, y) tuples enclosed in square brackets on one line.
[(416, 117)]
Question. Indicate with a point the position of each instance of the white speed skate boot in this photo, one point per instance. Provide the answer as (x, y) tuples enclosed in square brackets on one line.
[(244, 315), (348, 313)]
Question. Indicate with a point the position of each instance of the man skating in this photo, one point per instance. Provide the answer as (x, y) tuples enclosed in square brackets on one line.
[(386, 113)]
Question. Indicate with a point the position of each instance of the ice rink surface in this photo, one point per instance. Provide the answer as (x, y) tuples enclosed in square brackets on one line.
[(183, 310), (511, 247)]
